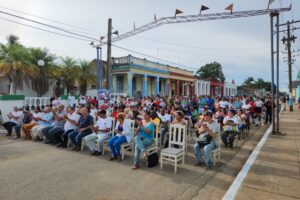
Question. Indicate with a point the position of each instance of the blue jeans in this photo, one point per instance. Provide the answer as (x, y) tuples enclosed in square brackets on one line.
[(76, 137), (207, 152), (115, 145), (140, 146), (18, 130), (45, 132), (241, 127)]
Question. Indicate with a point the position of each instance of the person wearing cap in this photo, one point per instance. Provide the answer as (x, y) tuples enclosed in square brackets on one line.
[(101, 133), (123, 135), (230, 129), (15, 118), (208, 136)]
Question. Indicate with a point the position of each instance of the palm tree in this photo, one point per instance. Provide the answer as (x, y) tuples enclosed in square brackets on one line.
[(68, 72), (41, 83), (15, 64), (86, 75)]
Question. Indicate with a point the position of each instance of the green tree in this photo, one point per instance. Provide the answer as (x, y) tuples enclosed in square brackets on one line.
[(15, 63), (41, 83), (86, 75), (211, 71), (68, 73), (249, 82)]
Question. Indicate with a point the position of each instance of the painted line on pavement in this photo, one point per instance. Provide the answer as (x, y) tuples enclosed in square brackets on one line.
[(235, 186)]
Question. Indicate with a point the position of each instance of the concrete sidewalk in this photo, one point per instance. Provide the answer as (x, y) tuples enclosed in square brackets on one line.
[(276, 172)]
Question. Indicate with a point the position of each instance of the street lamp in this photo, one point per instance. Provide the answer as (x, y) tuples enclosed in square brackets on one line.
[(40, 63)]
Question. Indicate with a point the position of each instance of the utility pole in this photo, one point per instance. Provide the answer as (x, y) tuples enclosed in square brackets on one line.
[(288, 39), (108, 71), (289, 55)]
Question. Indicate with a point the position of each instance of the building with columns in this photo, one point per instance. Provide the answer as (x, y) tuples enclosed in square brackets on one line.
[(138, 77), (202, 87), (230, 89)]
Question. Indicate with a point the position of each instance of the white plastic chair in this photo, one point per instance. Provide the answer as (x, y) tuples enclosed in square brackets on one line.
[(216, 153), (128, 146), (171, 154)]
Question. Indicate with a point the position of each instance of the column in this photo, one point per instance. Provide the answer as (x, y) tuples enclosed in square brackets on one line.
[(184, 88), (145, 85), (129, 77), (167, 82), (157, 85), (192, 89), (177, 87)]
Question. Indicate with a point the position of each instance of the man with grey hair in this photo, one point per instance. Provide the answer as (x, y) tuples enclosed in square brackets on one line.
[(43, 122)]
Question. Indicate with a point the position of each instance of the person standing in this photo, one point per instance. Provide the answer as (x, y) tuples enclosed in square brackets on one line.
[(291, 101), (269, 111)]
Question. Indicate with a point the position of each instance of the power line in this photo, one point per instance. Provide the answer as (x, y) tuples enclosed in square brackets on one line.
[(52, 20), (54, 27), (9, 20)]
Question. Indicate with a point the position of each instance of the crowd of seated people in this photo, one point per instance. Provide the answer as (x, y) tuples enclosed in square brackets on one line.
[(86, 123)]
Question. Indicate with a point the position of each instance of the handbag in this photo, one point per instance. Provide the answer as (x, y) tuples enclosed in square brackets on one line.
[(206, 139), (152, 160)]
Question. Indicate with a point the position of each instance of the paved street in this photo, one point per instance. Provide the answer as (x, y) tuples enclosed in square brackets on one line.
[(276, 172), (32, 170)]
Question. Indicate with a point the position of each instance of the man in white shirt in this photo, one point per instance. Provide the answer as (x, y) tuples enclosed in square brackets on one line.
[(230, 129), (258, 110), (72, 119), (15, 118), (223, 103), (164, 126), (71, 100), (101, 133)]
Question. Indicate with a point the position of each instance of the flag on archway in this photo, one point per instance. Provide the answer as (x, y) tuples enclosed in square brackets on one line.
[(230, 8), (177, 12), (203, 8)]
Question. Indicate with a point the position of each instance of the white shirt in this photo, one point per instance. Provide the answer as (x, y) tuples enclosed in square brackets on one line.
[(103, 124), (259, 103), (37, 115), (223, 104), (19, 115), (93, 112), (126, 130), (246, 106), (165, 118), (71, 100), (82, 101), (229, 127), (68, 126), (55, 102)]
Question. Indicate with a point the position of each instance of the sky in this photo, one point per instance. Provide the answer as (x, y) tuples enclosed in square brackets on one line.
[(242, 45)]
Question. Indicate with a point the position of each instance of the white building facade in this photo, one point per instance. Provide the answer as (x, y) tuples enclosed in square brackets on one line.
[(202, 87), (230, 89)]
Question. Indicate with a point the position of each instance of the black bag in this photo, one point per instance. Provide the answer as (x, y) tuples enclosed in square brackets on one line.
[(152, 160), (206, 140)]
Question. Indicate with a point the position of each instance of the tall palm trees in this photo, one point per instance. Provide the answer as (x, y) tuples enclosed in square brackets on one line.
[(41, 83), (87, 76), (20, 64), (15, 63)]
